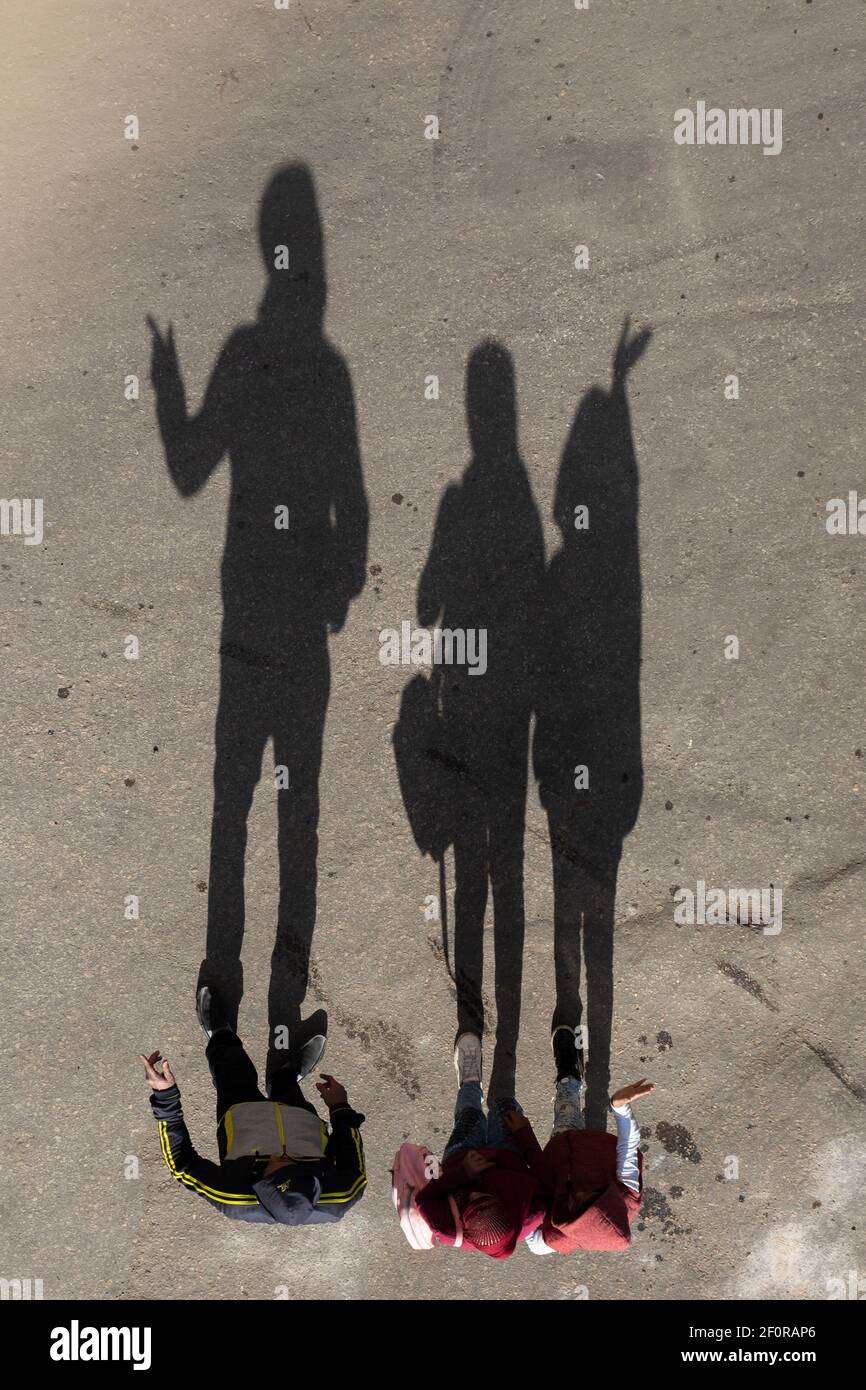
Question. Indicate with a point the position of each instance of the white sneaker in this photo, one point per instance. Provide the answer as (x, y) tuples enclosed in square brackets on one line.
[(311, 1055), (467, 1058)]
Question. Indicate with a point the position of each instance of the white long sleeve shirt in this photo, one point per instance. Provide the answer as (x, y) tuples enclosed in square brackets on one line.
[(627, 1141)]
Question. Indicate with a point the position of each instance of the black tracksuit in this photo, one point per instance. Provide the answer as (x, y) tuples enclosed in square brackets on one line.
[(233, 1185)]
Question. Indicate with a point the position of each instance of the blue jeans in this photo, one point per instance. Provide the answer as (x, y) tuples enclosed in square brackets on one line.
[(567, 1113), (475, 1130)]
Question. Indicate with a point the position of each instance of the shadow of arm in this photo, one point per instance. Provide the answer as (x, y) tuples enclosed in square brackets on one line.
[(193, 444), (351, 510), (431, 601)]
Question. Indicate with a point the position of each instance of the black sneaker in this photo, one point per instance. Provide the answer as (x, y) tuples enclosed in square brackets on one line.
[(210, 1015), (566, 1053), (306, 1046), (299, 1062), (311, 1054)]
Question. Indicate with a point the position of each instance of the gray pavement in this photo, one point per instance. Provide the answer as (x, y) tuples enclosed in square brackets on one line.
[(556, 130)]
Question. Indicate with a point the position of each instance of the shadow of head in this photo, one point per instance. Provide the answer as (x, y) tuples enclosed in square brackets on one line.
[(293, 249), (491, 402)]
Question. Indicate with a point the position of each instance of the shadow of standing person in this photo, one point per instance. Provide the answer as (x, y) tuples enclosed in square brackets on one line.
[(485, 563), (587, 745), (280, 404)]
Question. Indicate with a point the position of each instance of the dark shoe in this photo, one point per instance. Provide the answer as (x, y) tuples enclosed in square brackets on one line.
[(566, 1053), (310, 1055), (299, 1062), (306, 1046), (225, 981), (211, 1016)]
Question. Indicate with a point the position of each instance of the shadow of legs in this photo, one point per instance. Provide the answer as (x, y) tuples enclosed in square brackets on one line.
[(509, 928), (240, 736), (470, 902), (584, 884), (303, 700)]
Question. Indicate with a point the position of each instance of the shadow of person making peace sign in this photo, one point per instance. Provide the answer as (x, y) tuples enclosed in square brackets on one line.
[(587, 743), (280, 404), (485, 563)]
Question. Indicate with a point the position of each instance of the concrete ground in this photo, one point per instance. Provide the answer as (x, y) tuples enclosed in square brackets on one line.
[(556, 130)]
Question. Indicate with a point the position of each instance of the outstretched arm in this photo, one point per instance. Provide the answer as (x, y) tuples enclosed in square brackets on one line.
[(628, 1133), (347, 1177), (351, 512), (185, 1165), (433, 584), (627, 1140), (629, 351), (194, 444)]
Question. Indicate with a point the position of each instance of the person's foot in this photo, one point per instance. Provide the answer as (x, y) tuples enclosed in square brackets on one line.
[(467, 1058), (208, 1006), (310, 1055), (566, 1053), (301, 1051)]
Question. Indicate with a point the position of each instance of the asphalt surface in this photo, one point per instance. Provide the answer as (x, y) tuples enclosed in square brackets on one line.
[(556, 129)]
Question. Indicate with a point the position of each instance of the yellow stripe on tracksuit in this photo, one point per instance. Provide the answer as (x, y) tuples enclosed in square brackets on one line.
[(360, 1182), (237, 1199), (229, 1199)]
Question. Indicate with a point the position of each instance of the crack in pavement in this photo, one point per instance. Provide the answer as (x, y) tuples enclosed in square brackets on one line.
[(824, 1055), (823, 878)]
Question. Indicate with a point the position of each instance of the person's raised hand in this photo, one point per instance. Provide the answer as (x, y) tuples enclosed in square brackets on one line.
[(629, 350), (627, 1094), (331, 1091), (157, 1080), (474, 1164), (163, 359)]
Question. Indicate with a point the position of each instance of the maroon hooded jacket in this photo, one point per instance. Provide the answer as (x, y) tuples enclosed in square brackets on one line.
[(581, 1160)]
